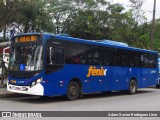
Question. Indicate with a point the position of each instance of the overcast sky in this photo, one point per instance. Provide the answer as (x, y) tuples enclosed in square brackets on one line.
[(147, 7)]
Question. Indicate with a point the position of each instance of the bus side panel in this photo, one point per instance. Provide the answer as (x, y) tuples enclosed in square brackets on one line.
[(149, 77), (68, 73), (145, 77), (116, 78)]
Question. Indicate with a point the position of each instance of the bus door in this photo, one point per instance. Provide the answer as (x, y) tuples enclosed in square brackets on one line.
[(153, 69), (145, 70), (97, 72), (118, 61), (54, 56), (54, 62)]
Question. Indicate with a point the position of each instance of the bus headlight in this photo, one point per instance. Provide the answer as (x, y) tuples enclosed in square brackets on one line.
[(33, 83), (36, 82), (39, 80)]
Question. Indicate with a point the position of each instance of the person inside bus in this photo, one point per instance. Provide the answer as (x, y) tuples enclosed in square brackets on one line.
[(82, 60)]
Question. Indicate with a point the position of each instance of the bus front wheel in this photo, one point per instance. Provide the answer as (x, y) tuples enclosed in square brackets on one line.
[(73, 91), (132, 87)]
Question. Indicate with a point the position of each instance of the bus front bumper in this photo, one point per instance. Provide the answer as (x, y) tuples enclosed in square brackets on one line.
[(35, 90)]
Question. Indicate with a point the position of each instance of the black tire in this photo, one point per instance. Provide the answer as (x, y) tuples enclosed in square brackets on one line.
[(106, 92), (44, 97), (73, 91), (158, 86), (132, 87)]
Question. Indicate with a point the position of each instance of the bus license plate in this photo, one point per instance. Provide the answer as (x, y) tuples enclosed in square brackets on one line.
[(16, 88)]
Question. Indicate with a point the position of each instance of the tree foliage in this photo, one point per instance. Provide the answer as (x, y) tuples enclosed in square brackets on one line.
[(88, 19)]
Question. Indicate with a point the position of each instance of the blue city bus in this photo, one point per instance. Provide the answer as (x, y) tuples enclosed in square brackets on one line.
[(46, 64)]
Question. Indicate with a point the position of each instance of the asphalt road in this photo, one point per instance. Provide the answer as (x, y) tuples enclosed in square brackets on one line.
[(147, 99)]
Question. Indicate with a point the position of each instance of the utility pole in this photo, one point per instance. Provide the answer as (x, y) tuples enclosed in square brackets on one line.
[(153, 27)]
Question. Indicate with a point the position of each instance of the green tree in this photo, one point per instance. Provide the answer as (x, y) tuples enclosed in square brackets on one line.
[(6, 15), (32, 15), (157, 35), (88, 19)]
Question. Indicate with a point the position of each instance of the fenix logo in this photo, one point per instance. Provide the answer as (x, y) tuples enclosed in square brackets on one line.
[(93, 71)]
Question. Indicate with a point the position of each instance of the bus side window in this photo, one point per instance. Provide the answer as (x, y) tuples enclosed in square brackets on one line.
[(112, 56), (54, 59), (58, 56), (134, 60), (93, 56), (105, 57), (55, 56), (144, 60), (96, 57), (89, 57), (152, 60), (75, 53)]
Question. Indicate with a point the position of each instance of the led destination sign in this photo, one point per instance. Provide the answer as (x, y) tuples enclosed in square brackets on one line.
[(29, 38)]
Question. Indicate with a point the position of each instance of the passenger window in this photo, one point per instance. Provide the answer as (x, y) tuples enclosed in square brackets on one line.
[(93, 56), (54, 59), (152, 61), (144, 60), (134, 60), (55, 56), (75, 53)]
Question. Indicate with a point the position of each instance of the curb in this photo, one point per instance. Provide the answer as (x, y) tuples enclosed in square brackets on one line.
[(12, 95), (4, 92), (4, 95), (3, 85)]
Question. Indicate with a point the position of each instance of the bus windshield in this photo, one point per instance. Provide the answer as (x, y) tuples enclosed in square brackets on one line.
[(26, 58)]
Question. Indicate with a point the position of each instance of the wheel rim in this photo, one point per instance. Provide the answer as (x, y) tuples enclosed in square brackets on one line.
[(73, 90), (133, 87)]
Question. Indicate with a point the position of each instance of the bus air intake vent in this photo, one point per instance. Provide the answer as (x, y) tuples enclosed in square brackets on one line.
[(110, 42), (65, 35)]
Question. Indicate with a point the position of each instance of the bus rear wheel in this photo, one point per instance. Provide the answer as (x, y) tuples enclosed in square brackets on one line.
[(73, 91), (158, 86), (132, 87)]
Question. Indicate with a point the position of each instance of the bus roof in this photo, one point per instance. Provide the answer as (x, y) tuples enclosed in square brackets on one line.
[(104, 43), (107, 43)]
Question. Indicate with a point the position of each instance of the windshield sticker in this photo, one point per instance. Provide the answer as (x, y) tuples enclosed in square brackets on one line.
[(93, 71), (28, 68), (22, 67)]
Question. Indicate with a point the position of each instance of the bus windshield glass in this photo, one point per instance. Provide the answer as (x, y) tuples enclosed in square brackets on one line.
[(26, 57)]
